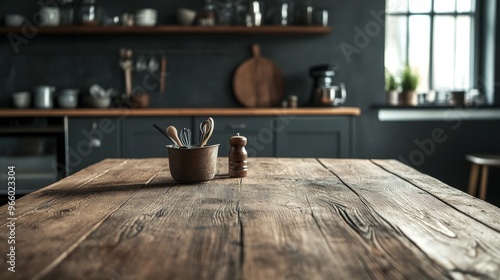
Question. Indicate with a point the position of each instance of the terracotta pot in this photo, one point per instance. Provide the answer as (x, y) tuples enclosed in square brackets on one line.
[(408, 98), (139, 100), (392, 97)]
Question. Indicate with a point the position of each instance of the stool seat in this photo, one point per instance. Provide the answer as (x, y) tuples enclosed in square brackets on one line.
[(483, 162), (484, 159)]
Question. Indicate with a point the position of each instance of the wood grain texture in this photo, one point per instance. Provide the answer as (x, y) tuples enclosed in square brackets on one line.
[(158, 112), (258, 82), (465, 247), (289, 219), (307, 224), (475, 208), (48, 233)]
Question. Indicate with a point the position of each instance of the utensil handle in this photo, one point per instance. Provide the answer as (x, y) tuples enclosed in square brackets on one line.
[(163, 73), (163, 132), (256, 50), (128, 81)]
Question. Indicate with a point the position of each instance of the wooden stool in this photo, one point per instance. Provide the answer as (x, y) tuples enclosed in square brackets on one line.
[(483, 161)]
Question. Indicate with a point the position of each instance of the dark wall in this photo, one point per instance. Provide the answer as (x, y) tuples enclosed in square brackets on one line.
[(195, 80), (205, 80)]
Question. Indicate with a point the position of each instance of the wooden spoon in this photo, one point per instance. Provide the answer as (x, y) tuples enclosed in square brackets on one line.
[(172, 132)]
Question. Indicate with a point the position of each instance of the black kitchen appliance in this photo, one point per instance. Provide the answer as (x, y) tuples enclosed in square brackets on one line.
[(325, 93)]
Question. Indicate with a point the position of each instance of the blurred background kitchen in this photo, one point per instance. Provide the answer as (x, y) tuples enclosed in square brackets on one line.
[(57, 54)]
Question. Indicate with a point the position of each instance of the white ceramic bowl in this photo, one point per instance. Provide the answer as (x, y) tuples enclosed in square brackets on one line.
[(146, 17), (186, 16), (145, 21), (14, 20), (147, 12), (21, 99)]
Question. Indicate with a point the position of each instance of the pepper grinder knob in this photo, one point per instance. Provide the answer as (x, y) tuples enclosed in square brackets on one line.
[(238, 164)]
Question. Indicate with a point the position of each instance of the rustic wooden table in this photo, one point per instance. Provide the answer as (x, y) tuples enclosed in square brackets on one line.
[(290, 219)]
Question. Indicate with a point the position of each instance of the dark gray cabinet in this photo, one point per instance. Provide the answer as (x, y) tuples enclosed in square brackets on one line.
[(93, 139), (141, 140), (258, 131), (90, 140), (314, 137)]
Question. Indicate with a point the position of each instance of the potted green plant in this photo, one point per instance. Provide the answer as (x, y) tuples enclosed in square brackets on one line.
[(409, 84), (391, 88)]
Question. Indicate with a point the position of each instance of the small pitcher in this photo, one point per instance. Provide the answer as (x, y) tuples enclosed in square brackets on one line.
[(44, 97)]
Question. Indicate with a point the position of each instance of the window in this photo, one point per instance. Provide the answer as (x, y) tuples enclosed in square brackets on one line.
[(436, 38)]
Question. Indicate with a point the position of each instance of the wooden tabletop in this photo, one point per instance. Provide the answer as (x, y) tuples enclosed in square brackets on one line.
[(289, 219), (160, 112)]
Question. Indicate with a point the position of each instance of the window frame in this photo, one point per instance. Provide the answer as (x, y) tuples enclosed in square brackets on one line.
[(475, 29)]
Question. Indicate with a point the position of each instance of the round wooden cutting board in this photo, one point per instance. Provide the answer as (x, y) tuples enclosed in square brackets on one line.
[(258, 82)]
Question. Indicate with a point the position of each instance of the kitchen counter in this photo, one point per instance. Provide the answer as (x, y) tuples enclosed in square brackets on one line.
[(159, 112), (436, 113), (302, 218)]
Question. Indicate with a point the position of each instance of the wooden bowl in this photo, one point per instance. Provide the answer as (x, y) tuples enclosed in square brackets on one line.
[(198, 164)]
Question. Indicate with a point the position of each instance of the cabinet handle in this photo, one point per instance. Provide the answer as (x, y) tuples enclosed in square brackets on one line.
[(237, 126), (94, 142)]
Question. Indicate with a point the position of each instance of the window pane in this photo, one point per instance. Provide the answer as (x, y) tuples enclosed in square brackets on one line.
[(395, 43), (464, 6), (419, 50), (463, 57), (444, 6), (396, 6), (420, 6), (444, 52)]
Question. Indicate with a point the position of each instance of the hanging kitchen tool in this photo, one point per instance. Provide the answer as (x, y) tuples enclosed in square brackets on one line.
[(163, 73), (126, 64), (258, 82)]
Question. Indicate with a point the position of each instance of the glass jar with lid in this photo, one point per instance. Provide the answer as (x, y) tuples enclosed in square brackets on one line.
[(89, 13)]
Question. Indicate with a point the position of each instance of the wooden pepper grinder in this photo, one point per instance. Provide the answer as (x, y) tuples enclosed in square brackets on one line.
[(238, 157)]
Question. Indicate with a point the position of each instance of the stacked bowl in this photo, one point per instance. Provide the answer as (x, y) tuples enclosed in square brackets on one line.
[(146, 17), (21, 99)]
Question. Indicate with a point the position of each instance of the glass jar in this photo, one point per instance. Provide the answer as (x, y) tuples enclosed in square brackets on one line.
[(67, 13), (89, 13)]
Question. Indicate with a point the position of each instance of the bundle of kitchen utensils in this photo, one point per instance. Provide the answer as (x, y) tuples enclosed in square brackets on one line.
[(190, 162), (183, 139)]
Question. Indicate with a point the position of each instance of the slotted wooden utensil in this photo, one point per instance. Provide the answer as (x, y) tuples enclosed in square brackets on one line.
[(258, 82)]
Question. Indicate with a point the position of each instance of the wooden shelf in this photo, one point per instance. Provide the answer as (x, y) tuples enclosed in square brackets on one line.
[(167, 29), (161, 112)]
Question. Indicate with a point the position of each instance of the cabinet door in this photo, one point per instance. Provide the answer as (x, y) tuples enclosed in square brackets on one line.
[(314, 137), (257, 130), (91, 140), (141, 140)]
